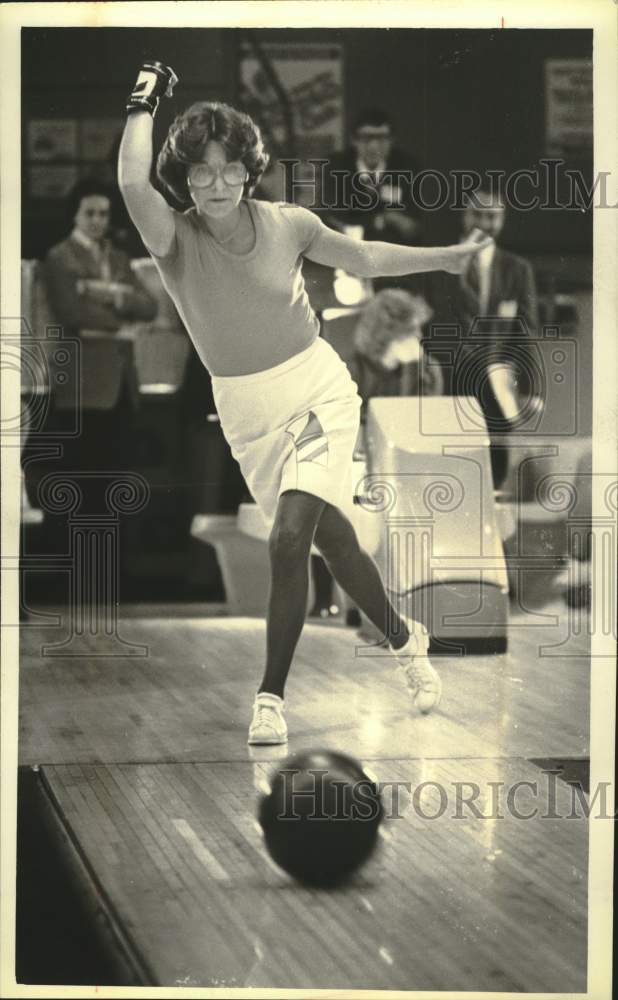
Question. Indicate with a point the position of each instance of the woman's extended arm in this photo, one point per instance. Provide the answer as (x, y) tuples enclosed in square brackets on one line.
[(373, 259), (148, 209)]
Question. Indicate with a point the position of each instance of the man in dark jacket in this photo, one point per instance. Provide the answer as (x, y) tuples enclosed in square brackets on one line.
[(361, 188), (494, 305)]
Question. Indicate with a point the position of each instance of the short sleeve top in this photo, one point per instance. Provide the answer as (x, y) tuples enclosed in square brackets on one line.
[(244, 312)]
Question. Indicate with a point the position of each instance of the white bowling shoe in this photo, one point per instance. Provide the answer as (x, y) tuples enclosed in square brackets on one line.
[(422, 680), (267, 725)]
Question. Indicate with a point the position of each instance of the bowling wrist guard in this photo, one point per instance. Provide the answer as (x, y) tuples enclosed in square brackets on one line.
[(154, 81)]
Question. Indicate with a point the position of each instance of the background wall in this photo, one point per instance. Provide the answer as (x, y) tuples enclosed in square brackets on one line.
[(85, 73), (463, 99), (460, 100)]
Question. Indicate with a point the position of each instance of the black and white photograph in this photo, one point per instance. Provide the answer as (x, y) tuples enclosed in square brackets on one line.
[(309, 498)]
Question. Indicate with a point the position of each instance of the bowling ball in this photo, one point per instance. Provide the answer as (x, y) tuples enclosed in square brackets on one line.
[(321, 817)]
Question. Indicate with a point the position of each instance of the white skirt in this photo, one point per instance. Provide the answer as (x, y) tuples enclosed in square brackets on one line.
[(293, 427)]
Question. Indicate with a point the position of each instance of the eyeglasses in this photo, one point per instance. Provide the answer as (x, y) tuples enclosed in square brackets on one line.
[(203, 175)]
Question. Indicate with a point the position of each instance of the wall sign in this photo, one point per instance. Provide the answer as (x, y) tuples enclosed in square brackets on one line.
[(312, 77), (568, 106), (52, 139)]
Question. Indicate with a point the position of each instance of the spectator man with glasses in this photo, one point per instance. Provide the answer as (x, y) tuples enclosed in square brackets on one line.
[(361, 188)]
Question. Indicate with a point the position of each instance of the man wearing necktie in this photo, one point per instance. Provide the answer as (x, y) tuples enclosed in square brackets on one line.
[(360, 187), (494, 304)]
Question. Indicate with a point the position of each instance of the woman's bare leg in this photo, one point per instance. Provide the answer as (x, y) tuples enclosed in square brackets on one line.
[(290, 546), (356, 572)]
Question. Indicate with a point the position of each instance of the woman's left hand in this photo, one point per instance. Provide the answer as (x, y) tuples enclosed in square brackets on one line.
[(459, 256)]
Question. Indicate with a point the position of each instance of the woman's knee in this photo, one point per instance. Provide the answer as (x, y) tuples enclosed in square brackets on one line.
[(335, 538), (288, 546), (292, 533)]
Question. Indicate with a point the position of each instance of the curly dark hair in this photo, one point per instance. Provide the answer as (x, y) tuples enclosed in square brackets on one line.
[(86, 188), (189, 134)]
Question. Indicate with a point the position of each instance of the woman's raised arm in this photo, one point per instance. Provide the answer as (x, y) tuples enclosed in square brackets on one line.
[(148, 209)]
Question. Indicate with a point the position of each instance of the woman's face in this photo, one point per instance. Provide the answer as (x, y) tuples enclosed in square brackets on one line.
[(216, 185), (92, 218)]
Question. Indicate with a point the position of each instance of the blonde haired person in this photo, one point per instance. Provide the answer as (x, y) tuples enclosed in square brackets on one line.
[(287, 403), (388, 359)]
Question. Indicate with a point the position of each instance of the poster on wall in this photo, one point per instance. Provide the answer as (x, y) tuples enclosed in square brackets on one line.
[(568, 106), (311, 78), (52, 139)]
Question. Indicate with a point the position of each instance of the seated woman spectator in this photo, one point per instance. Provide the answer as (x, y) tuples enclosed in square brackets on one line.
[(388, 355), (93, 293)]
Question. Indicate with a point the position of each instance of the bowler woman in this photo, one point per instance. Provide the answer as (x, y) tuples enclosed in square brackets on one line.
[(287, 404)]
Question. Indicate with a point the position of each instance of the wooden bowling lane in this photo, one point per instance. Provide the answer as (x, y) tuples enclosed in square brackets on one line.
[(148, 762), (190, 698), (488, 902)]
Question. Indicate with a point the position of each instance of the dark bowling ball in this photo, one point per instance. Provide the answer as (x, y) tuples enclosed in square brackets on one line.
[(321, 817)]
